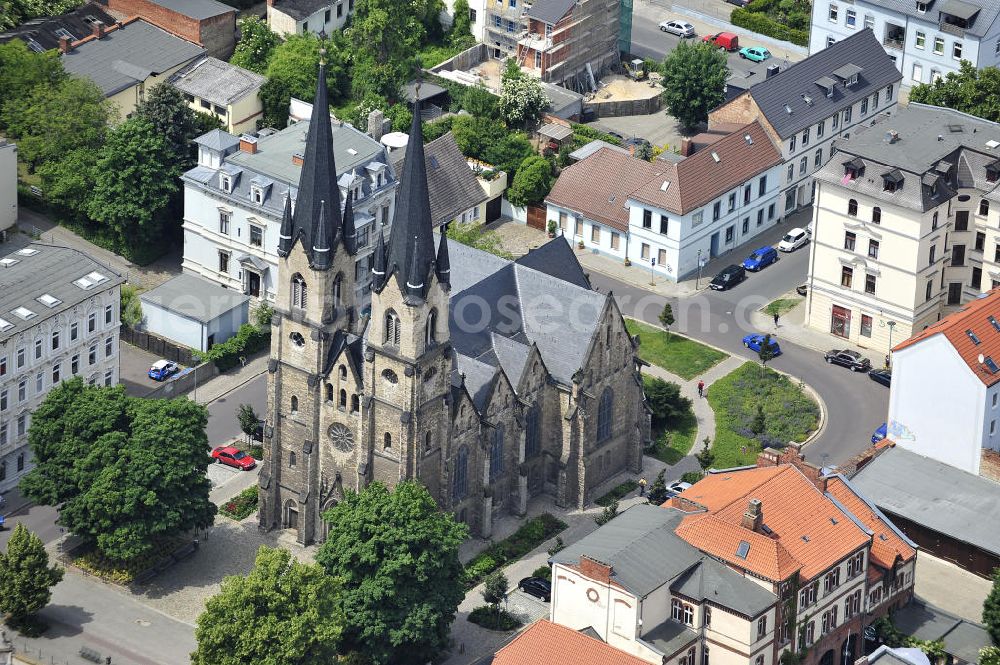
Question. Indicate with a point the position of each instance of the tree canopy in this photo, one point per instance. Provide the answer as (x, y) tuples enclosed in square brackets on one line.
[(15, 12), (256, 45), (970, 90), (123, 472), (293, 70), (25, 576), (991, 608), (694, 82), (283, 613), (385, 36), (461, 25), (165, 109), (522, 100), (397, 555), (21, 70), (535, 177)]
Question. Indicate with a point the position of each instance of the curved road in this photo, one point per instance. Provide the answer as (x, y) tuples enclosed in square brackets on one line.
[(855, 404)]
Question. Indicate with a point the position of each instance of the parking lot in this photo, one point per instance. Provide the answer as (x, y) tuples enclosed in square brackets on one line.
[(134, 363)]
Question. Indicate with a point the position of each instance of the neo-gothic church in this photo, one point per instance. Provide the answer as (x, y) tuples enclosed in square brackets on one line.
[(487, 380)]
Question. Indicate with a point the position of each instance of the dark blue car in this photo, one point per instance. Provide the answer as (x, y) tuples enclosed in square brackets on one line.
[(760, 258), (879, 434), (756, 340)]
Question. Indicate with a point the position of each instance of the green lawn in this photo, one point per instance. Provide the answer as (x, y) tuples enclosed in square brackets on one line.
[(679, 355), (676, 441), (789, 413), (781, 305)]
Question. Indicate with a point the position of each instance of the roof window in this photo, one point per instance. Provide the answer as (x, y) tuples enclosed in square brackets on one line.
[(27, 251), (972, 336), (892, 181), (988, 361), (5, 325), (23, 312), (48, 300), (993, 322), (7, 262), (743, 550)]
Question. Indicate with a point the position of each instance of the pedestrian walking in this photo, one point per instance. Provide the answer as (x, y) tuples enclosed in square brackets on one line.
[(642, 487), (701, 387), (887, 362), (775, 319)]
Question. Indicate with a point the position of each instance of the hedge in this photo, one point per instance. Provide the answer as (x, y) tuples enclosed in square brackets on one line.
[(756, 21), (247, 340), (532, 533)]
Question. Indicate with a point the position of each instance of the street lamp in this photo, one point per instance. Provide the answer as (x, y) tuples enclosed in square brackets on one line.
[(697, 281), (891, 324)]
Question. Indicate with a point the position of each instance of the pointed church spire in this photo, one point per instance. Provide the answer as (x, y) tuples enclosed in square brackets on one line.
[(321, 240), (285, 234), (411, 247), (442, 265), (350, 232), (378, 262), (415, 280), (318, 180)]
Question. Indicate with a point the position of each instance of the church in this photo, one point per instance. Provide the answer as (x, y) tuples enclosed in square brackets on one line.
[(490, 381)]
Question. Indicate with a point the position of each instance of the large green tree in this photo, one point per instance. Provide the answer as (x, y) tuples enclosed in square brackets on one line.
[(535, 177), (166, 110), (285, 613), (397, 555), (293, 72), (694, 82), (123, 472), (970, 90), (991, 608), (461, 25), (256, 46), (665, 401), (16, 12), (21, 70), (68, 182), (522, 100), (134, 180), (25, 576), (53, 120), (385, 36)]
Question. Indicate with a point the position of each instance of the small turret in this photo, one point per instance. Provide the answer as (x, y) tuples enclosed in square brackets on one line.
[(321, 240), (285, 234), (378, 263), (442, 264), (350, 232)]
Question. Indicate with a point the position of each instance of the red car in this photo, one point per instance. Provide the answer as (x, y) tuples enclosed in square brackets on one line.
[(234, 457)]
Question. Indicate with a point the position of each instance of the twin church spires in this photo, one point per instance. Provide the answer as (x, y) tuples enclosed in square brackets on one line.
[(318, 223)]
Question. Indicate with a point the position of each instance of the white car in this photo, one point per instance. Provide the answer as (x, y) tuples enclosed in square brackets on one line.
[(793, 240), (679, 28)]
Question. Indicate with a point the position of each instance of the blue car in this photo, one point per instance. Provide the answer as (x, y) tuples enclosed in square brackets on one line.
[(760, 258), (879, 434), (756, 340), (162, 370)]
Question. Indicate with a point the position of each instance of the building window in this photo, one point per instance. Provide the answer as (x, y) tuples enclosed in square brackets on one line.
[(790, 175), (962, 220), (55, 340), (939, 46), (762, 627), (770, 212), (876, 215), (873, 249), (866, 325), (39, 383), (92, 323), (791, 144), (662, 257), (849, 239), (984, 207), (832, 15), (746, 225), (870, 284), (644, 251), (460, 479), (664, 224), (20, 358), (74, 333), (759, 660), (595, 234), (615, 240), (830, 41), (932, 255), (958, 255), (846, 277), (298, 292), (803, 165), (647, 219), (22, 424), (707, 614), (805, 137), (869, 22), (851, 18), (224, 262), (730, 233), (732, 201), (392, 332), (22, 392), (980, 241), (109, 345), (108, 315), (921, 40), (496, 452), (605, 414), (55, 374), (956, 51), (864, 106), (852, 208), (818, 158), (256, 236), (74, 365), (977, 278)]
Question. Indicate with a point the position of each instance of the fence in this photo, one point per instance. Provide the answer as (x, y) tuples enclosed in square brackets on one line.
[(184, 382), (158, 346), (623, 107)]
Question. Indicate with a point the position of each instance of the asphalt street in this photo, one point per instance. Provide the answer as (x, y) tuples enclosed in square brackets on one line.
[(855, 405), (222, 423)]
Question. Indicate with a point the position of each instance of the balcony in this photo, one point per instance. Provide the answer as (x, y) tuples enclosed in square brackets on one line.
[(895, 36)]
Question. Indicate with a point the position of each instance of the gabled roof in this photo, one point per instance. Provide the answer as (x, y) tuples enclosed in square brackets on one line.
[(962, 639), (42, 30), (888, 542), (216, 81), (217, 139), (974, 318), (549, 11), (552, 644), (128, 55), (556, 258), (789, 88)]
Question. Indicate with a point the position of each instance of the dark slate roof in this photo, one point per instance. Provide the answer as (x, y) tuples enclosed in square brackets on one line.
[(550, 11), (962, 639), (217, 81), (42, 30), (988, 12), (670, 637), (788, 87), (348, 346), (556, 258), (37, 270), (715, 582), (194, 297), (196, 9), (453, 186), (300, 9), (217, 139), (128, 55)]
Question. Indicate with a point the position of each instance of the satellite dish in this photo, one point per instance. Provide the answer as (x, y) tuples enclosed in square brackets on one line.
[(981, 359)]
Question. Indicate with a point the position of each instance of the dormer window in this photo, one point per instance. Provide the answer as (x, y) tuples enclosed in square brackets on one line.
[(993, 172), (892, 181), (227, 183), (848, 74), (921, 7), (257, 194), (854, 169)]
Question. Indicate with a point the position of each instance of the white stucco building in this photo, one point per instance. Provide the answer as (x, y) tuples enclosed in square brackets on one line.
[(667, 213), (926, 39), (8, 185), (944, 402), (59, 318), (295, 17), (194, 312)]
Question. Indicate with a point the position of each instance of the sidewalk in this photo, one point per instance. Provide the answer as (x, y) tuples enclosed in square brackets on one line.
[(223, 384)]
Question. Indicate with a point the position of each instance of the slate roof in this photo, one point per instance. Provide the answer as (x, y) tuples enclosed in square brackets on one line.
[(933, 494), (885, 655), (453, 186), (592, 147), (196, 9), (39, 269), (988, 12), (42, 30), (128, 55), (962, 639), (556, 258), (194, 297), (300, 9), (549, 11), (670, 637), (788, 86), (644, 552), (888, 542), (552, 644), (216, 81), (974, 317), (217, 139)]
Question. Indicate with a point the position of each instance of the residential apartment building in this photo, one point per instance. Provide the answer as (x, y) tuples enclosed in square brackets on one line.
[(222, 90), (8, 186), (207, 23), (504, 22), (950, 368), (59, 318), (242, 188), (43, 34), (295, 17), (926, 39), (743, 566), (905, 225), (807, 106), (666, 215)]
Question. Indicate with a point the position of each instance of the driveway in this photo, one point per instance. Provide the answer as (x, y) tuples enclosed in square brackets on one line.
[(133, 368)]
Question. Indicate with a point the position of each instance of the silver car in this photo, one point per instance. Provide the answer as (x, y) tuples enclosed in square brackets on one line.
[(679, 28)]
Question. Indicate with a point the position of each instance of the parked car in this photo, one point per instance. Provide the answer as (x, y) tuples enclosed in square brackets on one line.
[(882, 376), (852, 360), (755, 341), (879, 434), (162, 370), (232, 456), (739, 3), (537, 587), (755, 53), (726, 40), (678, 486), (802, 289), (679, 28), (793, 240), (728, 278), (638, 142), (760, 258)]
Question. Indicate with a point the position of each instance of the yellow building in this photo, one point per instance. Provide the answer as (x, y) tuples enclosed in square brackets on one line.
[(228, 92)]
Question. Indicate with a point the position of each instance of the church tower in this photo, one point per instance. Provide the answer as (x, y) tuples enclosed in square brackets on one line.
[(315, 318), (408, 354)]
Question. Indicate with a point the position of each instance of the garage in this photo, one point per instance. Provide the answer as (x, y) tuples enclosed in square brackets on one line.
[(194, 312)]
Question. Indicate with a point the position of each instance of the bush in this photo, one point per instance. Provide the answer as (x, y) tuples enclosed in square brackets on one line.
[(490, 619), (531, 534), (256, 451), (242, 505), (248, 340), (665, 401), (544, 572), (608, 514), (123, 572), (617, 493), (692, 477), (762, 23)]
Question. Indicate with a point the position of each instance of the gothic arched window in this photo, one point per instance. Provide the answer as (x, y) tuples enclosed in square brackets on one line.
[(343, 398), (427, 440), (355, 404), (338, 283), (876, 215), (343, 372), (605, 412), (496, 452), (387, 441), (532, 432), (298, 291), (295, 405), (329, 392), (391, 328), (460, 479), (431, 337)]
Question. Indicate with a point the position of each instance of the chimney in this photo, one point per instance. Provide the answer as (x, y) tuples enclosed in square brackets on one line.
[(297, 159), (65, 44), (595, 569), (248, 144), (771, 71), (376, 124), (686, 147), (754, 516), (97, 30)]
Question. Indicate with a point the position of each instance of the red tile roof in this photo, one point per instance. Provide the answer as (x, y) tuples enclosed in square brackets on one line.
[(886, 543), (975, 317), (551, 644), (807, 531)]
